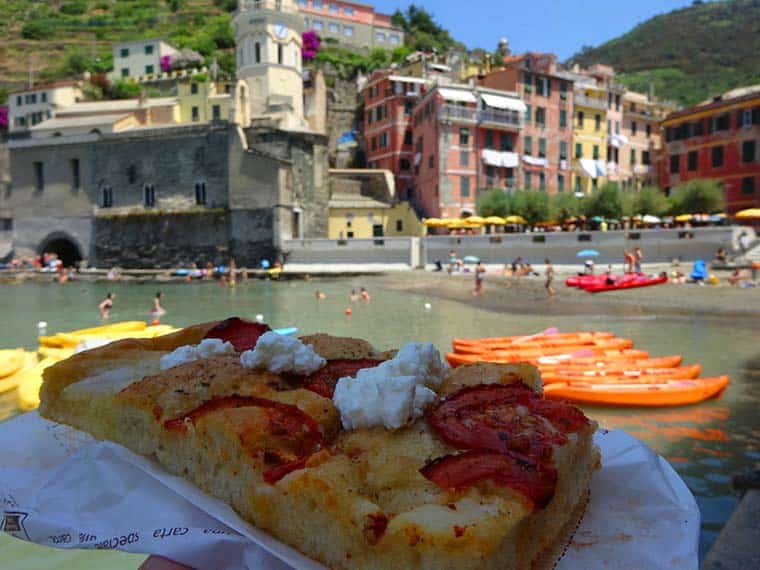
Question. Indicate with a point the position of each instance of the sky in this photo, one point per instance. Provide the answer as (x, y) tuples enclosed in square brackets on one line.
[(558, 26)]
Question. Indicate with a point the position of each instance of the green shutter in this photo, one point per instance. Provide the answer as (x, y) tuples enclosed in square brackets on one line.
[(578, 150), (528, 114), (528, 144)]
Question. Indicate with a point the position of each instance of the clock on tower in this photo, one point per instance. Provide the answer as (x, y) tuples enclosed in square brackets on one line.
[(268, 37)]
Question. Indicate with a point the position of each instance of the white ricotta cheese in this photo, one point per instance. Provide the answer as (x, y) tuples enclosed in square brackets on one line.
[(279, 353), (393, 393), (207, 347)]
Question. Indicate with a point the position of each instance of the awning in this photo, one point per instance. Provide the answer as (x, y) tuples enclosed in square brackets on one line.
[(407, 79), (588, 167), (459, 96), (532, 160), (618, 140), (601, 168), (505, 103), (503, 158)]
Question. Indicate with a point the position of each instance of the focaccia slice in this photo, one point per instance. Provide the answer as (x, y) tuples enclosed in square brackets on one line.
[(272, 447)]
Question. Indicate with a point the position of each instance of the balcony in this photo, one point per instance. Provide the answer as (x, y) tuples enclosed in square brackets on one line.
[(642, 114), (491, 117), (593, 102), (501, 118), (456, 113)]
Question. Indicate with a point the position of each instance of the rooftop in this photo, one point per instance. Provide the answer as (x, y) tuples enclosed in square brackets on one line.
[(116, 105), (355, 201), (65, 122), (50, 85)]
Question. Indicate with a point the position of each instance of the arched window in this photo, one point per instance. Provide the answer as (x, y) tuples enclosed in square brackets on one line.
[(149, 195), (257, 49), (106, 197), (200, 193)]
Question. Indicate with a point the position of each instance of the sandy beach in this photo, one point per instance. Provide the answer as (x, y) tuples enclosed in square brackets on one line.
[(528, 295)]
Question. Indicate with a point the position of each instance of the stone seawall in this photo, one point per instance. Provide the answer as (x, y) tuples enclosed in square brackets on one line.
[(162, 241)]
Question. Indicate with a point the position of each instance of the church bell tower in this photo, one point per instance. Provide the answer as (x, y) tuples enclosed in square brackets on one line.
[(268, 38)]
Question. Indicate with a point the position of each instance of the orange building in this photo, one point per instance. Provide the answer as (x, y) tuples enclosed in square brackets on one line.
[(717, 139), (465, 142)]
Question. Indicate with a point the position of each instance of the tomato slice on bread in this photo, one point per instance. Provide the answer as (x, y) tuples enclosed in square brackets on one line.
[(323, 381), (241, 333), (533, 479)]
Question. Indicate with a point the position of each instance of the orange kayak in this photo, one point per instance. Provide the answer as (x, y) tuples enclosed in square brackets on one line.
[(553, 340), (673, 393), (508, 340), (634, 375), (612, 365), (559, 346), (541, 357)]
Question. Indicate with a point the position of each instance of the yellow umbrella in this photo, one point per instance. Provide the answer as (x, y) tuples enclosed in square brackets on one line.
[(751, 214), (453, 223), (515, 220), (683, 218), (474, 220), (495, 220), (434, 222)]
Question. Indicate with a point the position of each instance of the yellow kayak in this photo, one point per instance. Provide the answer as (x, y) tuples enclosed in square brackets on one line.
[(71, 341), (30, 380), (123, 328), (11, 361), (10, 382), (57, 353)]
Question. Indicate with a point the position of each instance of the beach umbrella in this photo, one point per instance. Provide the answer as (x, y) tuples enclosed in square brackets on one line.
[(515, 220), (716, 218), (751, 214), (597, 219), (433, 222), (650, 219), (587, 253), (683, 218), (470, 259), (495, 221), (474, 220)]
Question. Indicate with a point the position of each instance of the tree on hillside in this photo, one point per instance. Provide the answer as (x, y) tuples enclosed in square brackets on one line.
[(493, 203), (606, 202), (698, 197), (650, 200), (421, 30)]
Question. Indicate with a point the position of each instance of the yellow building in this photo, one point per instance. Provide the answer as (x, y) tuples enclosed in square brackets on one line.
[(204, 101), (363, 205), (589, 135)]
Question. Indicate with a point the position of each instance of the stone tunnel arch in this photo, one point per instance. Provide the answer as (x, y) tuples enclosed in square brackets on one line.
[(62, 244)]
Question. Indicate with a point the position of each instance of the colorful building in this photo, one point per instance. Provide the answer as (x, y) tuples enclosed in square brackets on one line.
[(33, 105), (387, 129), (547, 130), (465, 141), (140, 58), (717, 139), (203, 101), (642, 138), (589, 164), (352, 24)]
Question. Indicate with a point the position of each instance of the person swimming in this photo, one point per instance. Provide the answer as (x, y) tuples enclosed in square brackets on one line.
[(364, 294), (319, 295), (353, 296), (106, 305)]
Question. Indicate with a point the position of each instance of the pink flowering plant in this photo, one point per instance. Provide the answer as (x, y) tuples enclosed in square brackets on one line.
[(166, 63), (310, 44)]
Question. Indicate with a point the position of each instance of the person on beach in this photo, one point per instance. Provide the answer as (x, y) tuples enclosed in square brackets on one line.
[(638, 256), (106, 305), (629, 260), (364, 294), (479, 271), (353, 296), (233, 272), (609, 279), (452, 261), (549, 277), (157, 310), (319, 295)]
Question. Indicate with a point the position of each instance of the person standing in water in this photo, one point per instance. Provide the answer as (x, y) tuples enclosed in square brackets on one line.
[(106, 305), (157, 309), (364, 294), (353, 296), (479, 271)]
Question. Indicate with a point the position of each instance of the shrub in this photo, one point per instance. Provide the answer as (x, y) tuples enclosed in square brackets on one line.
[(75, 8), (37, 30), (650, 200), (531, 205), (698, 197), (123, 90), (606, 202), (493, 203)]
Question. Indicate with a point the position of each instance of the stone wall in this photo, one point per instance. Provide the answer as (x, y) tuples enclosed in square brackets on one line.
[(167, 240), (344, 112)]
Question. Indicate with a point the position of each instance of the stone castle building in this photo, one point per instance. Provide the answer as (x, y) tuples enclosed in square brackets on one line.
[(161, 195)]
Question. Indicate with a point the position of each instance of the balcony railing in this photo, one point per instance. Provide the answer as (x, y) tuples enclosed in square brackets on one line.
[(247, 5), (587, 101), (490, 116)]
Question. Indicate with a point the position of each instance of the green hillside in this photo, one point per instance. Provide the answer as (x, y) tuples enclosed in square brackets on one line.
[(58, 38), (690, 54)]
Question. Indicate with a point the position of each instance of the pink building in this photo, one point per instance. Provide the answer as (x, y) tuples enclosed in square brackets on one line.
[(387, 127), (353, 24), (465, 142)]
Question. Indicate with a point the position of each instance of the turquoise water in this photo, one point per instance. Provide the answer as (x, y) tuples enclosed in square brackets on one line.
[(706, 443)]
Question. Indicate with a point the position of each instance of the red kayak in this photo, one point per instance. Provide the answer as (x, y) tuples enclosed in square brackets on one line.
[(639, 281), (585, 280)]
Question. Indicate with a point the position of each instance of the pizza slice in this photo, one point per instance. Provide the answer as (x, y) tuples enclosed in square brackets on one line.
[(356, 457)]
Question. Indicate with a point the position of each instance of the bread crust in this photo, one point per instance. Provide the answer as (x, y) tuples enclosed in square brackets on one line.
[(359, 501)]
